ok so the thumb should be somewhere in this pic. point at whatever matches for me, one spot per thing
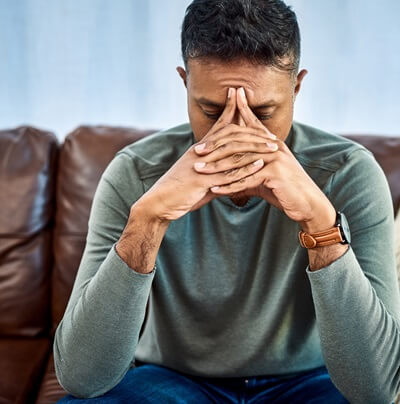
(206, 199)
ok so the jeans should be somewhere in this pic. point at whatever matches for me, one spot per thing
(153, 384)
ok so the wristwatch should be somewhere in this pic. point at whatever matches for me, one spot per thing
(340, 233)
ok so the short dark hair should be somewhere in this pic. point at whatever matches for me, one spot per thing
(261, 31)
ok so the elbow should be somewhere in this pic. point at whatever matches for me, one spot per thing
(82, 380)
(80, 387)
(369, 393)
(73, 380)
(74, 387)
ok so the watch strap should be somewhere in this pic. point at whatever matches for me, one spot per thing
(322, 238)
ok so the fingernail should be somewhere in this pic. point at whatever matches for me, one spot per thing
(214, 189)
(272, 136)
(199, 165)
(230, 93)
(272, 146)
(242, 93)
(259, 162)
(200, 147)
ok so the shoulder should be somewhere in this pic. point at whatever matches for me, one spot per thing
(316, 148)
(136, 167)
(156, 153)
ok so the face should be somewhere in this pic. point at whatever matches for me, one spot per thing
(270, 93)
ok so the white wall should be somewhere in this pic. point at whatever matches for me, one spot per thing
(66, 63)
(352, 51)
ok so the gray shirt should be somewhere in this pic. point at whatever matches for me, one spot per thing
(232, 294)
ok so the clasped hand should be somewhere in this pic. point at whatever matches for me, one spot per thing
(242, 161)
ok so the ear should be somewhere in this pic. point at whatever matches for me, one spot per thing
(299, 80)
(181, 71)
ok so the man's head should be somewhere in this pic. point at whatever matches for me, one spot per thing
(253, 44)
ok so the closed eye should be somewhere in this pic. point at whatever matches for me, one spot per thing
(214, 117)
(211, 116)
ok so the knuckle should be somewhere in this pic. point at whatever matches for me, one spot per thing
(231, 173)
(262, 132)
(222, 120)
(212, 144)
(237, 157)
(246, 169)
(214, 165)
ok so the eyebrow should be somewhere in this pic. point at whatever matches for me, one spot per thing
(210, 103)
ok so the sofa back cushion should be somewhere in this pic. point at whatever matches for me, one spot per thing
(397, 243)
(28, 160)
(85, 154)
(387, 153)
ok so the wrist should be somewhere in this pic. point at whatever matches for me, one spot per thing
(148, 210)
(322, 220)
(140, 241)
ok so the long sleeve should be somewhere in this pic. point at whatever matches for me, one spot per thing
(356, 298)
(96, 340)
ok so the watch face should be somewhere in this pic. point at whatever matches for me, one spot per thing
(345, 229)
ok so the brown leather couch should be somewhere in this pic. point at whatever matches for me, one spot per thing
(46, 191)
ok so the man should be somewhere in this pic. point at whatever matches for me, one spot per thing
(201, 222)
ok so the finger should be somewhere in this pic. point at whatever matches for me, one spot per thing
(229, 111)
(251, 181)
(242, 123)
(235, 175)
(234, 147)
(237, 160)
(245, 111)
(225, 118)
(247, 114)
(242, 137)
(227, 133)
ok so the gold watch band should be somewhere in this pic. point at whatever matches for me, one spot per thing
(320, 239)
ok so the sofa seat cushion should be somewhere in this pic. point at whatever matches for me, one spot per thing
(22, 362)
(50, 390)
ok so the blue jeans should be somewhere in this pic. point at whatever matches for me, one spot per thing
(155, 384)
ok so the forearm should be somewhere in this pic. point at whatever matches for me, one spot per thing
(96, 340)
(321, 257)
(141, 239)
(360, 340)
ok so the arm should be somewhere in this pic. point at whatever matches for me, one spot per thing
(141, 238)
(356, 296)
(96, 340)
(355, 289)
(321, 257)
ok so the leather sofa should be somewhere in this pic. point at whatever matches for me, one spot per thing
(46, 191)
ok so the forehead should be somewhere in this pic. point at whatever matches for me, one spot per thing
(211, 78)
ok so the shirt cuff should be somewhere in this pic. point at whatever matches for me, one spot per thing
(124, 264)
(334, 270)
